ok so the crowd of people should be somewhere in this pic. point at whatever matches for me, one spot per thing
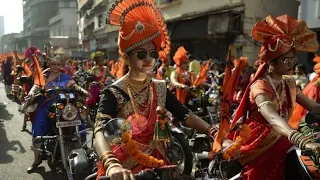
(273, 96)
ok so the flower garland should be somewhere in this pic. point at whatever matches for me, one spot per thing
(133, 150)
(244, 135)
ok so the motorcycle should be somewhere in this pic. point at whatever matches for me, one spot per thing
(177, 150)
(152, 174)
(64, 142)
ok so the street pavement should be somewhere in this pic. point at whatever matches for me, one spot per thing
(15, 153)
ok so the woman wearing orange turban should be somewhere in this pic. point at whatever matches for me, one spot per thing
(268, 100)
(181, 78)
(136, 96)
(312, 91)
(165, 69)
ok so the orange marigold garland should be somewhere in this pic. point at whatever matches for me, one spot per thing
(133, 150)
(244, 135)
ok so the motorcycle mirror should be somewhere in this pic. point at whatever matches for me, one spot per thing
(114, 128)
(237, 125)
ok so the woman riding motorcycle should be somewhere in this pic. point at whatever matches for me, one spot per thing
(53, 79)
(100, 73)
(29, 52)
(136, 96)
(269, 99)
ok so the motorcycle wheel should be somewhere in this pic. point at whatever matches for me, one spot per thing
(184, 160)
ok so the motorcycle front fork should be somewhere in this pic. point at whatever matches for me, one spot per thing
(63, 147)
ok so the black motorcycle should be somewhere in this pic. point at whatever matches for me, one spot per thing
(166, 172)
(64, 144)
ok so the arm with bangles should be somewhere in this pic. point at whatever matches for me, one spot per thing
(268, 111)
(107, 111)
(182, 113)
(307, 103)
(174, 81)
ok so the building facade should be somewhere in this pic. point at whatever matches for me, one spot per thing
(309, 11)
(7, 42)
(36, 16)
(63, 28)
(204, 27)
(1, 26)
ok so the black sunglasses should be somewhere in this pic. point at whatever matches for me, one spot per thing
(142, 54)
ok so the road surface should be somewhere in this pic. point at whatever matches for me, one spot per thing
(15, 153)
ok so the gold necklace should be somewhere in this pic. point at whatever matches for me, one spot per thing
(135, 96)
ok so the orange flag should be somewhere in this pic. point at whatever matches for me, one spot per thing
(203, 75)
(229, 87)
(26, 68)
(38, 75)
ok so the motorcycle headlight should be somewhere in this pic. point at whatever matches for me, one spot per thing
(200, 110)
(69, 112)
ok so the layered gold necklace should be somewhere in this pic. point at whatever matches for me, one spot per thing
(141, 97)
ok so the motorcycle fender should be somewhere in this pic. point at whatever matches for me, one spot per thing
(178, 131)
(78, 161)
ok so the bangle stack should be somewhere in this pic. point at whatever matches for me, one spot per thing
(212, 132)
(298, 139)
(109, 161)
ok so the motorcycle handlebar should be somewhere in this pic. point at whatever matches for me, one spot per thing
(142, 175)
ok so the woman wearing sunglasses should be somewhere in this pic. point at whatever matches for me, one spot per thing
(136, 95)
(53, 79)
(269, 99)
(181, 78)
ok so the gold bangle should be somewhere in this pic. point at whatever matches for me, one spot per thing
(112, 166)
(291, 134)
(106, 153)
(110, 161)
(292, 138)
(108, 157)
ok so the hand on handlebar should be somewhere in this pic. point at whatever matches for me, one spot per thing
(185, 87)
(313, 146)
(119, 173)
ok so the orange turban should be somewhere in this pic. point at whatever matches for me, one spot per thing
(162, 56)
(180, 56)
(244, 62)
(141, 22)
(316, 67)
(281, 34)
